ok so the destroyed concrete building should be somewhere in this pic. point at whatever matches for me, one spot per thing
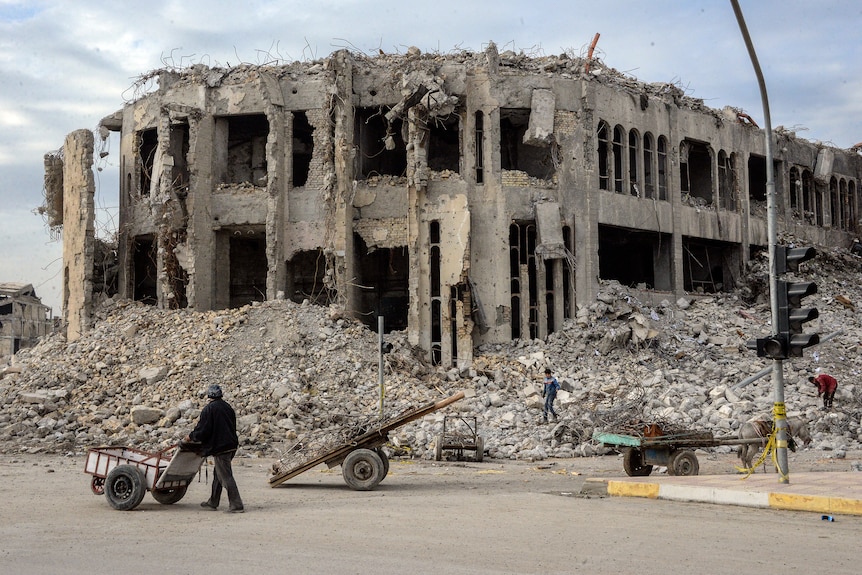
(468, 198)
(23, 318)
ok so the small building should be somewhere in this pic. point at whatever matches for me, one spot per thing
(23, 318)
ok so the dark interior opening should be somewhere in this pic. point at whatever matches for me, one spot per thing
(480, 144)
(306, 272)
(145, 274)
(248, 267)
(179, 153)
(381, 146)
(535, 160)
(757, 178)
(303, 148)
(709, 267)
(635, 259)
(148, 141)
(522, 267)
(246, 143)
(383, 275)
(695, 170)
(444, 144)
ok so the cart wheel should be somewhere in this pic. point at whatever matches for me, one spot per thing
(362, 469)
(98, 485)
(125, 487)
(633, 463)
(438, 449)
(683, 462)
(480, 448)
(169, 496)
(379, 451)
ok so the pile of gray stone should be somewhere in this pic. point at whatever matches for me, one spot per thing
(293, 371)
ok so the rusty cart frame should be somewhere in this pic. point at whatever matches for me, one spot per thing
(363, 463)
(463, 438)
(675, 451)
(125, 474)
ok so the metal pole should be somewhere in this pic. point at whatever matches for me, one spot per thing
(380, 360)
(779, 412)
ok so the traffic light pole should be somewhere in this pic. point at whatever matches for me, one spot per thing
(779, 413)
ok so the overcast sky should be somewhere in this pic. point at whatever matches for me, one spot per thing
(65, 65)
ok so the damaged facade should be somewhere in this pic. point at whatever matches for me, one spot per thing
(468, 198)
(23, 318)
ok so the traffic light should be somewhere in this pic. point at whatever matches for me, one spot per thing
(791, 314)
(788, 339)
(774, 346)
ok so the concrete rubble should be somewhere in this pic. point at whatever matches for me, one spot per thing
(294, 369)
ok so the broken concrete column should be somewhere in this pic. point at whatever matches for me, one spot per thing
(78, 232)
(541, 128)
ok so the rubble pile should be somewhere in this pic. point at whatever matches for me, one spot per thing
(298, 370)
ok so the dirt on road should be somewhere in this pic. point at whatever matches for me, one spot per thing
(426, 517)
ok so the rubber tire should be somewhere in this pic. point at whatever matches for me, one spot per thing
(362, 469)
(169, 496)
(480, 448)
(438, 449)
(125, 487)
(633, 463)
(383, 457)
(97, 485)
(684, 463)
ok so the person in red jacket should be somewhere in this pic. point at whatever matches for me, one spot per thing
(826, 386)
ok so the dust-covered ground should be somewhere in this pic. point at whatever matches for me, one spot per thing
(496, 516)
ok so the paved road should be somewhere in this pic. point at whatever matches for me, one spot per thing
(426, 517)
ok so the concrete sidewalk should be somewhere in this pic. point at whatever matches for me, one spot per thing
(830, 493)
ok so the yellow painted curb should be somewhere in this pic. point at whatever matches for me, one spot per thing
(817, 504)
(628, 489)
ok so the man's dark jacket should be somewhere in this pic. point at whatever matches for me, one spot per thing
(216, 429)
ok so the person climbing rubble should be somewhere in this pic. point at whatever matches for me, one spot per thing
(550, 385)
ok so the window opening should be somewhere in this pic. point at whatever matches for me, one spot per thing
(246, 149)
(634, 155)
(636, 259)
(649, 185)
(618, 159)
(794, 191)
(522, 246)
(444, 144)
(383, 277)
(480, 143)
(708, 266)
(533, 159)
(306, 278)
(726, 180)
(695, 170)
(834, 204)
(662, 168)
(147, 144)
(248, 268)
(303, 148)
(757, 178)
(603, 150)
(382, 151)
(568, 273)
(145, 271)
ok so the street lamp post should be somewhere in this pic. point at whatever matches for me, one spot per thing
(779, 412)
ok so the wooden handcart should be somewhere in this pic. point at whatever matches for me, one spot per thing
(363, 463)
(675, 451)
